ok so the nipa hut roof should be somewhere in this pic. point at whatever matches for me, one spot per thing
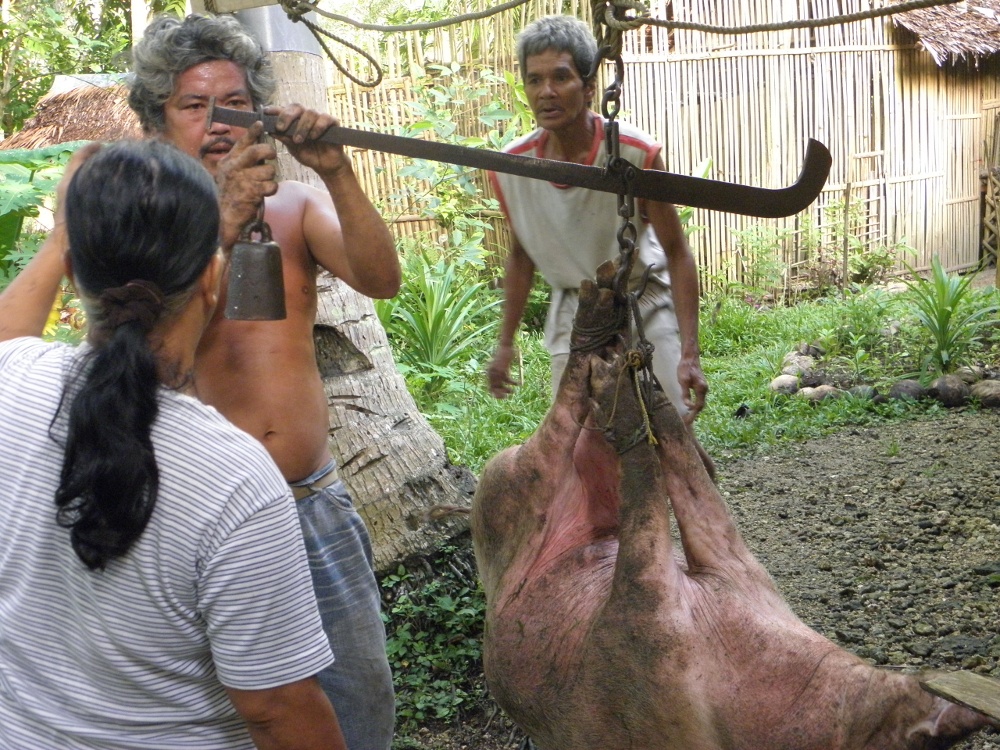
(85, 113)
(964, 30)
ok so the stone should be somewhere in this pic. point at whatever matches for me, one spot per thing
(786, 384)
(970, 375)
(949, 390)
(907, 389)
(797, 364)
(987, 392)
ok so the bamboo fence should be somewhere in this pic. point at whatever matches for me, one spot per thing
(907, 137)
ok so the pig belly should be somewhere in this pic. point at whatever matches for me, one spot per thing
(578, 671)
(538, 625)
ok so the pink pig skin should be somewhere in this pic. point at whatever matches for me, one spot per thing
(600, 635)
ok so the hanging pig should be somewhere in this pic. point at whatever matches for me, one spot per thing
(599, 636)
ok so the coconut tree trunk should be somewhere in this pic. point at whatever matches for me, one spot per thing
(392, 461)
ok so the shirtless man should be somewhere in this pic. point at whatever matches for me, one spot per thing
(263, 376)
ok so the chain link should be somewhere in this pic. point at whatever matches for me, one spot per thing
(640, 349)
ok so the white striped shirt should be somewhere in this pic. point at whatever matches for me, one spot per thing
(215, 591)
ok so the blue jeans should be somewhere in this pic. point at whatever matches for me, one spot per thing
(359, 682)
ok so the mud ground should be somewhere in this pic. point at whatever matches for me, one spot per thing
(884, 539)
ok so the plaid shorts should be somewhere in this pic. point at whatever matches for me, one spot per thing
(359, 682)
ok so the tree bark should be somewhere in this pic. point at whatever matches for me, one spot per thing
(391, 460)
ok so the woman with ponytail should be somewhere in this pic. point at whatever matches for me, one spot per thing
(154, 590)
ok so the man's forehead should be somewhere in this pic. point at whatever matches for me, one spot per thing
(553, 59)
(223, 77)
(180, 92)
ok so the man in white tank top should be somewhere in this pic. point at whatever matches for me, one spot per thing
(567, 232)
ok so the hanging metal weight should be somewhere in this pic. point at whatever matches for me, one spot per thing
(256, 289)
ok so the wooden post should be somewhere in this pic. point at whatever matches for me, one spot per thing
(140, 19)
(226, 6)
(847, 230)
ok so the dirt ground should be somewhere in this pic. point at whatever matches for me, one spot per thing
(884, 539)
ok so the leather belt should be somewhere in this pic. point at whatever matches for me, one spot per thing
(302, 491)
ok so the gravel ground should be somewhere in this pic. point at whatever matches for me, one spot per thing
(884, 539)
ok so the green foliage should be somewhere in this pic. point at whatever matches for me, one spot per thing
(742, 350)
(441, 312)
(872, 265)
(28, 180)
(524, 118)
(476, 426)
(686, 213)
(756, 270)
(43, 38)
(863, 314)
(448, 193)
(867, 262)
(433, 635)
(952, 314)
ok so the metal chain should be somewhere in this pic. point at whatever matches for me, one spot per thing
(639, 359)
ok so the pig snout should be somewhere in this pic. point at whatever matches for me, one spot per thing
(603, 632)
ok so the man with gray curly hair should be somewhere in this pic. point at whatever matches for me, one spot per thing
(263, 376)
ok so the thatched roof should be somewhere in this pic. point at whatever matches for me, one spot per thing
(965, 30)
(85, 113)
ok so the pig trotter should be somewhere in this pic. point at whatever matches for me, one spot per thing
(620, 404)
(600, 317)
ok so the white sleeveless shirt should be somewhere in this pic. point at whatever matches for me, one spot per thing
(569, 231)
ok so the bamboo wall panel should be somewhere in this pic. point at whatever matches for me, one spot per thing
(907, 137)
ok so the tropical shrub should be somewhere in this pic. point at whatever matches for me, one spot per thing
(441, 314)
(434, 629)
(952, 313)
(28, 180)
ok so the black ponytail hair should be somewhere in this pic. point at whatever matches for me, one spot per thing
(143, 221)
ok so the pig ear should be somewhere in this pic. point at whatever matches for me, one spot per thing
(948, 720)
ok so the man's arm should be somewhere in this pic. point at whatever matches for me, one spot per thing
(296, 716)
(684, 289)
(348, 238)
(27, 301)
(519, 277)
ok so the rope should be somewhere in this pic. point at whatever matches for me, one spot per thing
(296, 10)
(634, 360)
(423, 26)
(612, 13)
(809, 23)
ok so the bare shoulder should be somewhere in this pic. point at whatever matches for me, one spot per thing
(295, 193)
(310, 207)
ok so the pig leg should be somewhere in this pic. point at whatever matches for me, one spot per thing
(708, 533)
(555, 477)
(645, 551)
